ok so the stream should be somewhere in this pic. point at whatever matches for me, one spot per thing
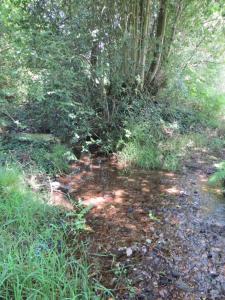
(153, 234)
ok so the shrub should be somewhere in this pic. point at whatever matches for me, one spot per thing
(153, 143)
(37, 153)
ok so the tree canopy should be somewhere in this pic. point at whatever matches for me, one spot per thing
(77, 61)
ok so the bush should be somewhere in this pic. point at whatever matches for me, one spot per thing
(37, 153)
(156, 139)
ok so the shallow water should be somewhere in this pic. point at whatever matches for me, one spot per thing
(166, 230)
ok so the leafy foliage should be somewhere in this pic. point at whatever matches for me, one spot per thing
(160, 134)
(116, 75)
(76, 76)
(39, 155)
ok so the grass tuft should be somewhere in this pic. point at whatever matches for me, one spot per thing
(219, 176)
(150, 150)
(36, 259)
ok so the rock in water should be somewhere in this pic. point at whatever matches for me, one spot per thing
(129, 252)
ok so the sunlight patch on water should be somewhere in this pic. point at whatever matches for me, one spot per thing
(173, 191)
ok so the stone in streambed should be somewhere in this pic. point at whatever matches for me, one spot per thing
(57, 186)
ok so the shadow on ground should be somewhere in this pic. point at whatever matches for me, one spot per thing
(153, 235)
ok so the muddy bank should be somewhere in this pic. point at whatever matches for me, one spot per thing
(153, 235)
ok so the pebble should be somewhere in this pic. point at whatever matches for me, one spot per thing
(129, 252)
(175, 274)
(183, 194)
(148, 241)
(144, 250)
(163, 280)
(214, 274)
(183, 286)
(55, 185)
(209, 255)
(130, 210)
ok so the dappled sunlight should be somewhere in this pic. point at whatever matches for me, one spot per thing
(121, 200)
(96, 201)
(113, 111)
(104, 184)
(207, 187)
(145, 189)
(214, 190)
(173, 191)
(88, 198)
(58, 198)
(200, 161)
(202, 178)
(129, 207)
(204, 150)
(172, 175)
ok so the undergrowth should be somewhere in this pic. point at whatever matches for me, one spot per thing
(219, 176)
(43, 156)
(164, 134)
(37, 261)
(159, 153)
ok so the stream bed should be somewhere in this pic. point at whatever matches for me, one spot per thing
(153, 235)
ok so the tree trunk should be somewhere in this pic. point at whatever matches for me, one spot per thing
(145, 31)
(160, 36)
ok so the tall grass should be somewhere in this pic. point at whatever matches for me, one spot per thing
(36, 259)
(164, 132)
(158, 148)
(218, 178)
